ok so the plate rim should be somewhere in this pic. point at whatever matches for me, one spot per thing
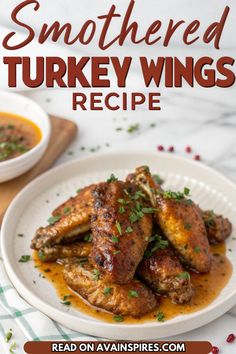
(228, 302)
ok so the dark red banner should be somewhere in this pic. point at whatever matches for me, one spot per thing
(118, 347)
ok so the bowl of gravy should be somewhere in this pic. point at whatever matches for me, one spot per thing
(24, 134)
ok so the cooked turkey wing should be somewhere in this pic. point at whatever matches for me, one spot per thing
(68, 228)
(133, 298)
(74, 219)
(77, 249)
(180, 220)
(164, 274)
(121, 225)
(218, 227)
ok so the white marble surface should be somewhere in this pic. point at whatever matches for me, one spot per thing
(205, 119)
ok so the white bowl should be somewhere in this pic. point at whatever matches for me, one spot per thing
(22, 106)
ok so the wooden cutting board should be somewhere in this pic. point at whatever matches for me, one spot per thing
(63, 133)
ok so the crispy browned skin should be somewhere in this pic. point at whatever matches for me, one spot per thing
(218, 227)
(117, 249)
(68, 228)
(133, 299)
(165, 275)
(82, 201)
(180, 221)
(77, 249)
(74, 220)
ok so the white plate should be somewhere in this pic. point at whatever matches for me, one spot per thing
(29, 211)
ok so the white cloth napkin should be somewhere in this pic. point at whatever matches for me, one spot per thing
(26, 322)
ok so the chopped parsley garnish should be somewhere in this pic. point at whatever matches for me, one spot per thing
(8, 336)
(116, 252)
(176, 195)
(160, 316)
(139, 212)
(107, 291)
(53, 219)
(88, 238)
(133, 217)
(128, 229)
(138, 195)
(146, 168)
(20, 235)
(123, 201)
(115, 239)
(47, 270)
(210, 219)
(133, 293)
(66, 303)
(66, 297)
(133, 128)
(112, 178)
(41, 255)
(210, 223)
(12, 348)
(82, 261)
(186, 191)
(148, 210)
(197, 249)
(157, 243)
(118, 226)
(96, 274)
(24, 259)
(78, 190)
(121, 210)
(184, 275)
(66, 210)
(118, 318)
(189, 201)
(158, 179)
(8, 148)
(187, 226)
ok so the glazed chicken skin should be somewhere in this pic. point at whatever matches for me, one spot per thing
(73, 220)
(59, 252)
(218, 227)
(180, 220)
(164, 274)
(121, 225)
(133, 298)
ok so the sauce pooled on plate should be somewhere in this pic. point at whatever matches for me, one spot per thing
(207, 287)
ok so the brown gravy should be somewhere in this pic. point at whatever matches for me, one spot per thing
(207, 288)
(17, 135)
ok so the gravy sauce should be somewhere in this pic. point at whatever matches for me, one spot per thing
(207, 288)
